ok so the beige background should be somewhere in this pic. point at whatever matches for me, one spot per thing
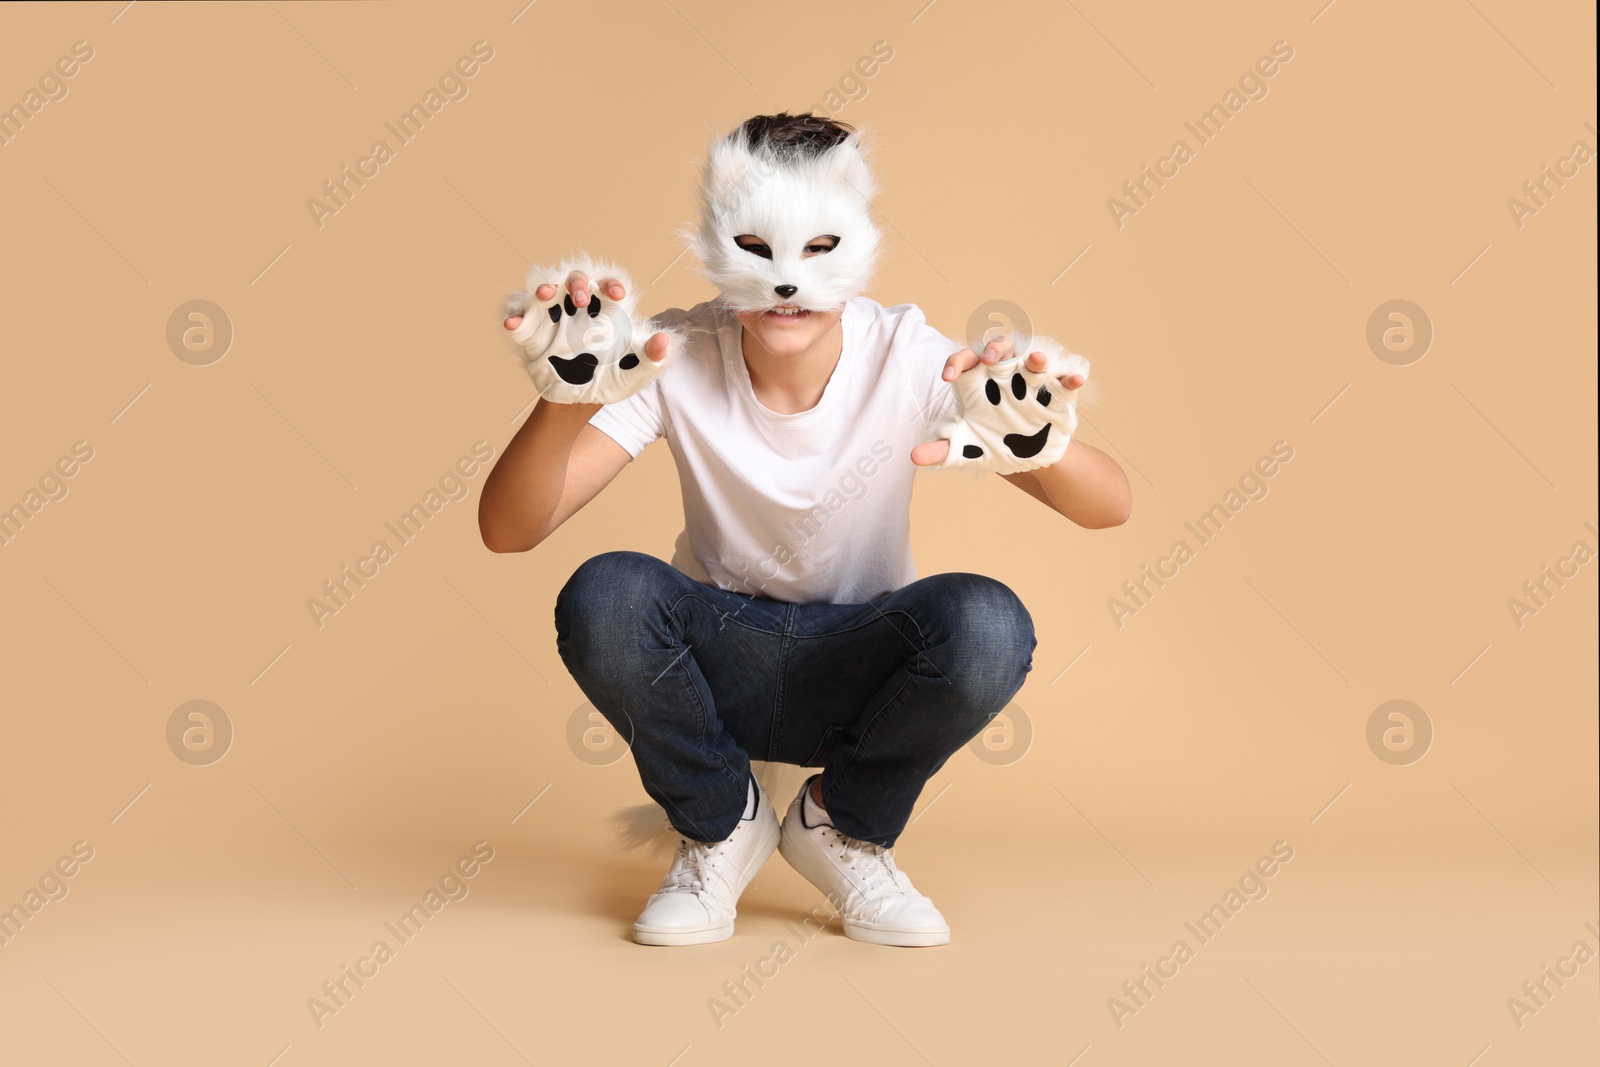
(1230, 713)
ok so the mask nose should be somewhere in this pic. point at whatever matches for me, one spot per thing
(786, 291)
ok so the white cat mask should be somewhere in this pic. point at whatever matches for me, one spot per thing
(786, 200)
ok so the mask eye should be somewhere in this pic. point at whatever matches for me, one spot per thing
(754, 245)
(822, 245)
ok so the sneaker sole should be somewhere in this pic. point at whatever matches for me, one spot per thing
(706, 935)
(878, 935)
(804, 860)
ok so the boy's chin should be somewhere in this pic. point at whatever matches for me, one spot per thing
(788, 334)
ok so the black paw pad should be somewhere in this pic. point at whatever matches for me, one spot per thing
(1019, 388)
(991, 389)
(1043, 396)
(555, 313)
(628, 362)
(972, 451)
(578, 370)
(566, 302)
(1027, 445)
(594, 307)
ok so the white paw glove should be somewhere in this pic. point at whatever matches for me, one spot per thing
(1013, 419)
(585, 355)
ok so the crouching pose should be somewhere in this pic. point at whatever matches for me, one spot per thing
(790, 625)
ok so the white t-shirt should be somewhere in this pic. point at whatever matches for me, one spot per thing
(810, 507)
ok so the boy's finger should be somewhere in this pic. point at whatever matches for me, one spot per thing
(998, 348)
(930, 452)
(545, 291)
(961, 361)
(1037, 362)
(655, 349)
(514, 321)
(1074, 381)
(578, 288)
(613, 288)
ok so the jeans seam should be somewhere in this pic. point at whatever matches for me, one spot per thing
(866, 730)
(882, 614)
(832, 730)
(922, 638)
(889, 704)
(725, 617)
(785, 643)
(695, 693)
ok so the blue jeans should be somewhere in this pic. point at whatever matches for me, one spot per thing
(700, 680)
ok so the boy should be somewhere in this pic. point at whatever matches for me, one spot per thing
(790, 625)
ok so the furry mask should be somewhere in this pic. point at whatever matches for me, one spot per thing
(786, 200)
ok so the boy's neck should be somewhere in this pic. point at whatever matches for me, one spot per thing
(792, 382)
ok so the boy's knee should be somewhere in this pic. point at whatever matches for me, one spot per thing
(984, 611)
(604, 592)
(989, 635)
(600, 580)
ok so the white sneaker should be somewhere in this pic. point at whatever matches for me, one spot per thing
(875, 898)
(696, 902)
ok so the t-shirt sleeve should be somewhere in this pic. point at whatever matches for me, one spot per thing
(924, 351)
(632, 422)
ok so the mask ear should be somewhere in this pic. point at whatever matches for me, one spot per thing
(729, 176)
(845, 173)
(850, 164)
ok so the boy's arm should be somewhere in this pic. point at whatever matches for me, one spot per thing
(556, 463)
(1084, 485)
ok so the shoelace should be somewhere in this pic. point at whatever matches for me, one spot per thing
(695, 868)
(874, 865)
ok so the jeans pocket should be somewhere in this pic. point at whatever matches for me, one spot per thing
(825, 747)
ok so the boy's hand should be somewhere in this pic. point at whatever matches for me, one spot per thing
(1015, 414)
(577, 285)
(582, 348)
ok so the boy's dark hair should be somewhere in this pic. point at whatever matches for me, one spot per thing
(788, 136)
